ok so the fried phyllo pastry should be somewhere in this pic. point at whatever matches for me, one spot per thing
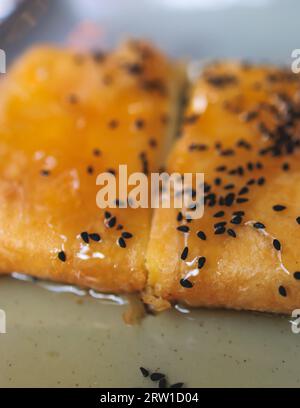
(242, 130)
(65, 118)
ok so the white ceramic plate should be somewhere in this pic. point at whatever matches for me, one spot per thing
(62, 339)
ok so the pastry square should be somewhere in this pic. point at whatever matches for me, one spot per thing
(242, 130)
(64, 118)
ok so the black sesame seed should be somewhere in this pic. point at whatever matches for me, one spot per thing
(156, 376)
(240, 200)
(221, 80)
(259, 225)
(229, 187)
(201, 262)
(298, 220)
(244, 190)
(282, 291)
(107, 214)
(201, 235)
(219, 214)
(154, 85)
(227, 152)
(113, 123)
(228, 200)
(90, 169)
(144, 372)
(197, 147)
(45, 172)
(152, 143)
(220, 231)
(248, 116)
(186, 283)
(220, 224)
(177, 385)
(244, 144)
(241, 213)
(279, 207)
(126, 235)
(98, 56)
(285, 166)
(144, 160)
(111, 171)
(96, 152)
(231, 232)
(184, 253)
(95, 237)
(112, 222)
(276, 244)
(139, 123)
(221, 168)
(134, 68)
(297, 275)
(62, 256)
(261, 181)
(236, 219)
(240, 171)
(121, 242)
(85, 237)
(183, 228)
(207, 188)
(221, 201)
(250, 182)
(210, 199)
(250, 166)
(179, 216)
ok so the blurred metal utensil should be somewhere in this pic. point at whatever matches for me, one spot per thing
(17, 19)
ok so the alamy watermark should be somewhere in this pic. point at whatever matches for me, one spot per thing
(295, 322)
(156, 190)
(2, 62)
(295, 66)
(2, 322)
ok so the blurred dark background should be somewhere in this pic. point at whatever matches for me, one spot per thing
(255, 29)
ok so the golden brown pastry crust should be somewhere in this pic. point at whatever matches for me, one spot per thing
(65, 118)
(242, 129)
